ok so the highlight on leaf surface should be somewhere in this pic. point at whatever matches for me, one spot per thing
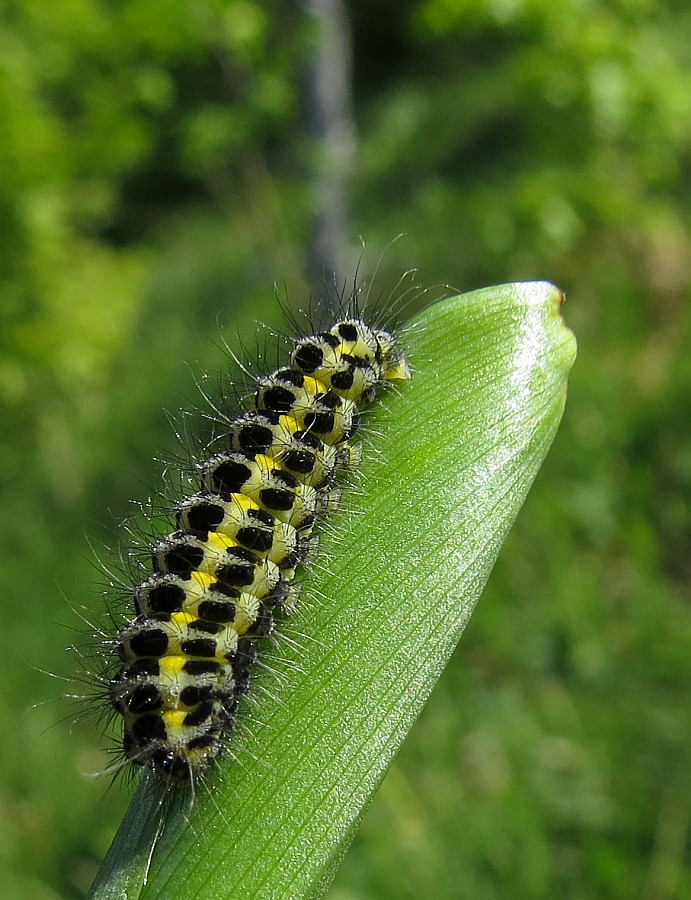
(449, 460)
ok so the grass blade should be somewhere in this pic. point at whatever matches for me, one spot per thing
(452, 458)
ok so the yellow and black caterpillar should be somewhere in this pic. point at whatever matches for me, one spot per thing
(183, 662)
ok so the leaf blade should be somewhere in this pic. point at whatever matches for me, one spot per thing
(454, 457)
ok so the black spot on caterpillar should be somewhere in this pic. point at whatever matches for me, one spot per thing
(226, 573)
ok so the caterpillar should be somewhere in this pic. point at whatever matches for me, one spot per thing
(230, 567)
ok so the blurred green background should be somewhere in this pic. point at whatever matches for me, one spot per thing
(161, 168)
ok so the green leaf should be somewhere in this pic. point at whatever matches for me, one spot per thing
(449, 460)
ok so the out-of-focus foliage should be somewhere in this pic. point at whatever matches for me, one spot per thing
(154, 162)
(113, 115)
(559, 132)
